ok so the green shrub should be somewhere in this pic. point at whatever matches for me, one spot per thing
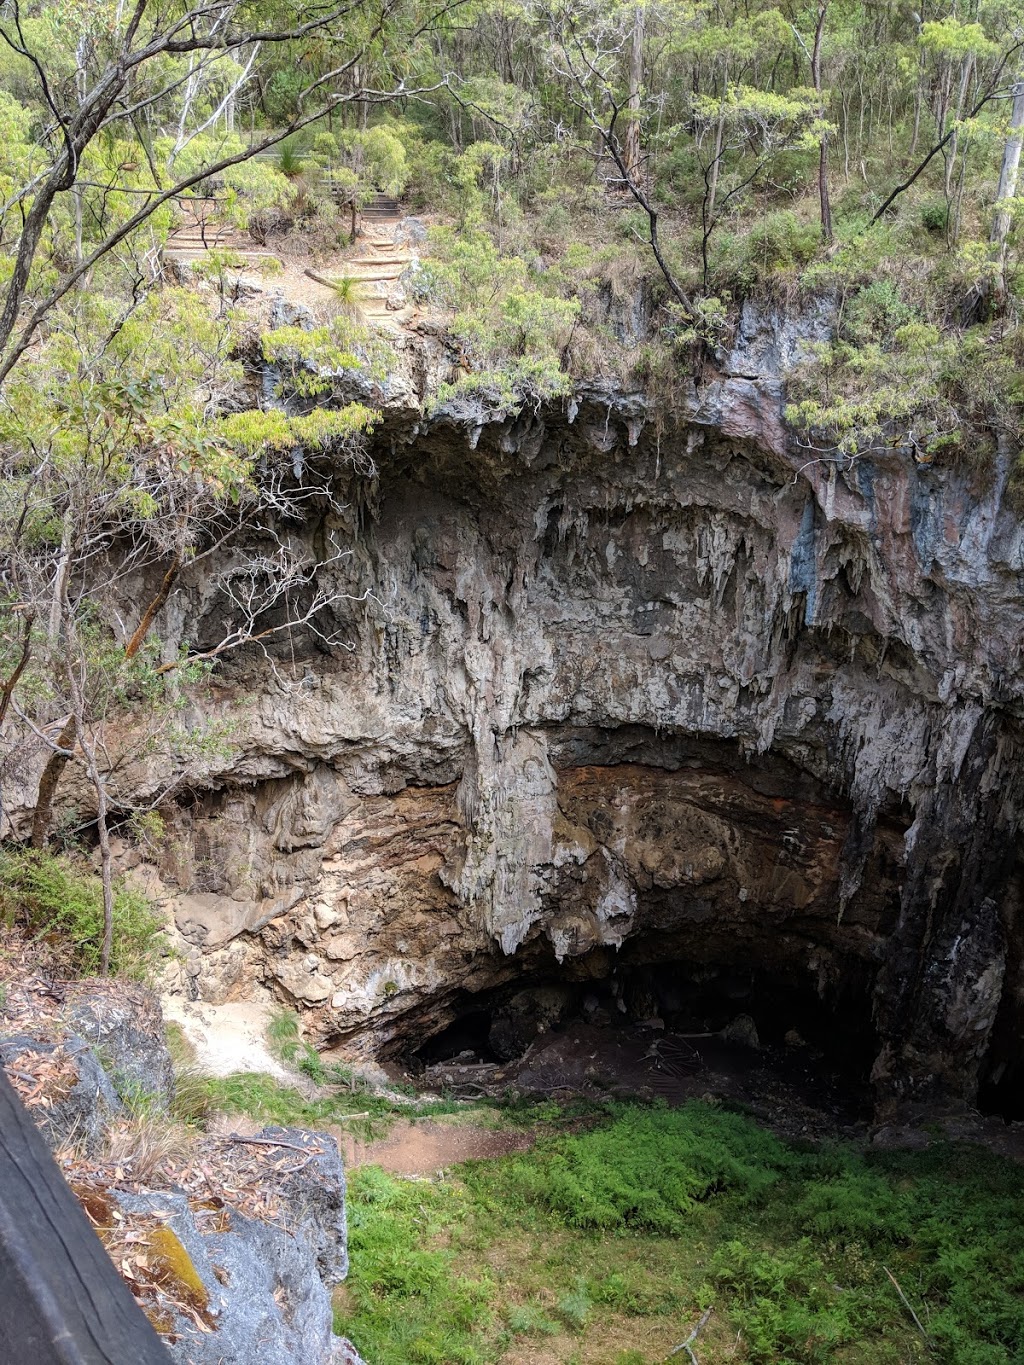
(575, 1306)
(792, 1247)
(50, 895)
(649, 1169)
(284, 1036)
(875, 313)
(526, 1319)
(779, 242)
(935, 215)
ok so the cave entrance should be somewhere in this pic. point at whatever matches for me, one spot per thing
(469, 1032)
(671, 1028)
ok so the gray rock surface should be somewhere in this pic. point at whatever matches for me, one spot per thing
(624, 678)
(123, 1023)
(266, 1285)
(80, 1100)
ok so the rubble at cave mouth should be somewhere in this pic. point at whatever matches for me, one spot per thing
(665, 1029)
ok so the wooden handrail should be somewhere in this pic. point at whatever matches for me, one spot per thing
(63, 1302)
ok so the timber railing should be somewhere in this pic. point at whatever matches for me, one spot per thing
(61, 1300)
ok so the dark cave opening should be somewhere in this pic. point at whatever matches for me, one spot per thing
(468, 1032)
(744, 1028)
(1001, 1093)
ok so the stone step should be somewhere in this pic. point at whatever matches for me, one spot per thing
(391, 273)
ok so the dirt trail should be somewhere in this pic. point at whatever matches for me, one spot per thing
(376, 262)
(426, 1146)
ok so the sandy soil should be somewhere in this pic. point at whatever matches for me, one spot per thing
(426, 1146)
(226, 1038)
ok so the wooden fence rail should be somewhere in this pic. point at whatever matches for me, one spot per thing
(61, 1300)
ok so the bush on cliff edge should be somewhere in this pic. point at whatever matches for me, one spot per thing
(50, 896)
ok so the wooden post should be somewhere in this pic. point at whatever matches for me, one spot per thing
(63, 1301)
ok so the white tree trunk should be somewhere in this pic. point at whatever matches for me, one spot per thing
(1008, 173)
(631, 147)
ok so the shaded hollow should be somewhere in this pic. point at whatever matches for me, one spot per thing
(667, 696)
(774, 1038)
(686, 890)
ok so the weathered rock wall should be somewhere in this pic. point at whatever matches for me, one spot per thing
(609, 676)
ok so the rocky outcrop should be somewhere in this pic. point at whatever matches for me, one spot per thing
(124, 1025)
(625, 679)
(231, 1245)
(237, 1288)
(68, 1093)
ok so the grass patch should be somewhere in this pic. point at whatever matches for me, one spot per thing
(605, 1244)
(53, 898)
(269, 1101)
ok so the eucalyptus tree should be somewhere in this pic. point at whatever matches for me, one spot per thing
(118, 459)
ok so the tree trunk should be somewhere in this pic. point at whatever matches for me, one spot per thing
(55, 765)
(149, 615)
(712, 184)
(823, 198)
(1008, 173)
(631, 150)
(99, 786)
(954, 141)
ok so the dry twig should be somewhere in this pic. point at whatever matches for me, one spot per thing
(266, 1142)
(687, 1345)
(905, 1301)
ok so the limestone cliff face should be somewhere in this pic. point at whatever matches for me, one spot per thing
(623, 685)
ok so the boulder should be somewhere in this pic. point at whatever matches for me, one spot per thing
(64, 1088)
(254, 1290)
(123, 1022)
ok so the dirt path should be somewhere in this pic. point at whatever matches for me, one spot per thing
(377, 260)
(426, 1146)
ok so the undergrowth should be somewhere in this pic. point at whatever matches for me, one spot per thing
(51, 897)
(606, 1243)
(365, 1114)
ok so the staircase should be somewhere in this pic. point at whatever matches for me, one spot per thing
(381, 206)
(198, 232)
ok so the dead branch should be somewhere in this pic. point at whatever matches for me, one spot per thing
(905, 1301)
(268, 1142)
(687, 1345)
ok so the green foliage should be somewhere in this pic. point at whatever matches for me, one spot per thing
(49, 895)
(777, 245)
(386, 164)
(935, 215)
(284, 1035)
(513, 334)
(530, 1319)
(682, 1209)
(290, 160)
(896, 377)
(341, 1093)
(309, 358)
(575, 1305)
(650, 1169)
(260, 430)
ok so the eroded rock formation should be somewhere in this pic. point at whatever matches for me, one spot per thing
(628, 684)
